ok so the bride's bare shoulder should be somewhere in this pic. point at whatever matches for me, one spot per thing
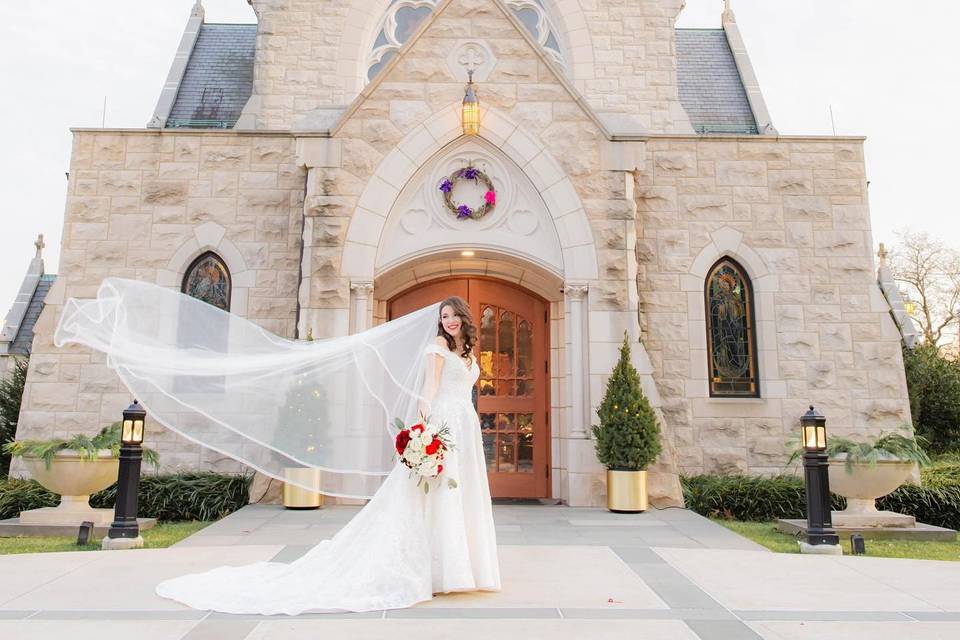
(441, 342)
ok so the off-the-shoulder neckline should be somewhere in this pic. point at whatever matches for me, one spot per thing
(458, 357)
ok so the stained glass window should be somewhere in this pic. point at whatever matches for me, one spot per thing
(208, 279)
(731, 340)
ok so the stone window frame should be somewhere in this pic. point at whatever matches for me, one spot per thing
(385, 41)
(728, 242)
(207, 237)
(751, 329)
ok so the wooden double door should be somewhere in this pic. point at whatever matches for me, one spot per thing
(512, 393)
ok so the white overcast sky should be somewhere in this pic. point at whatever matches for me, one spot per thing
(889, 69)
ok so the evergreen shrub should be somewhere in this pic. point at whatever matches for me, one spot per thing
(628, 436)
(169, 498)
(761, 499)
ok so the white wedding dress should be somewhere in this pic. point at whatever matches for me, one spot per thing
(402, 547)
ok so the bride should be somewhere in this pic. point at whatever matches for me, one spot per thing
(405, 544)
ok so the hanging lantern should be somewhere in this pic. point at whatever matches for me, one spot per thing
(471, 109)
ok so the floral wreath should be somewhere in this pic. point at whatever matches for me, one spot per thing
(464, 211)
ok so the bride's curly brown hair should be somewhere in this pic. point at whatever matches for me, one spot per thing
(467, 328)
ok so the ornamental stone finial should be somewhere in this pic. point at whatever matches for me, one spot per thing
(39, 244)
(882, 254)
(198, 10)
(728, 12)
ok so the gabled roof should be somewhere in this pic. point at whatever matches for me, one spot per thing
(22, 344)
(218, 79)
(221, 66)
(508, 15)
(710, 86)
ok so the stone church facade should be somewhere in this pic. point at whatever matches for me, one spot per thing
(641, 188)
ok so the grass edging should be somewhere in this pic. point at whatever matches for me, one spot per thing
(766, 534)
(159, 537)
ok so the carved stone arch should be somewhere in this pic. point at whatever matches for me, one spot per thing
(423, 143)
(210, 237)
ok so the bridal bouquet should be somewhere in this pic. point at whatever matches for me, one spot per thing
(422, 448)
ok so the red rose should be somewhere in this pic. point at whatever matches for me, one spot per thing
(433, 446)
(402, 439)
(439, 468)
(418, 427)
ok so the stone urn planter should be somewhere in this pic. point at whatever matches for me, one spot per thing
(74, 479)
(861, 484)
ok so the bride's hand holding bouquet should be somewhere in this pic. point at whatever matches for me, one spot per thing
(422, 448)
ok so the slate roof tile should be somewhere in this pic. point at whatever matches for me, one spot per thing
(219, 77)
(709, 83)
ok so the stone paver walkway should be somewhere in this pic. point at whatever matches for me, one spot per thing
(567, 573)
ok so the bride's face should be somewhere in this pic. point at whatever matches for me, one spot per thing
(450, 320)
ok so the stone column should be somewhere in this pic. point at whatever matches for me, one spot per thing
(360, 292)
(576, 313)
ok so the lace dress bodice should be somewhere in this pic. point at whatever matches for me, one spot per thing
(456, 379)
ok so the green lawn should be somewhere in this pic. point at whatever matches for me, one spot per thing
(161, 536)
(765, 533)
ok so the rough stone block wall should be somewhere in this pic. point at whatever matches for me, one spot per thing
(794, 212)
(635, 61)
(137, 201)
(312, 54)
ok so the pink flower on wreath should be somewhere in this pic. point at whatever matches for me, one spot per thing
(490, 197)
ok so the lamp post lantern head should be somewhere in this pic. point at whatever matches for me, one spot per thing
(813, 428)
(133, 418)
(470, 113)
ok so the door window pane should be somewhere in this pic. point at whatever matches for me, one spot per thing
(488, 431)
(505, 344)
(524, 349)
(525, 443)
(506, 453)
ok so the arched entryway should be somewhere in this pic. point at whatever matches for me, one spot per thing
(512, 393)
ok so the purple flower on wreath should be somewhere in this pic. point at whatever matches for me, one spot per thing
(446, 186)
(470, 173)
(463, 211)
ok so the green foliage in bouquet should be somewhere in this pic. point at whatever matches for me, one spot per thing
(88, 447)
(628, 436)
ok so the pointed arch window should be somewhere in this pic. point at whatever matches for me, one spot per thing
(731, 334)
(208, 279)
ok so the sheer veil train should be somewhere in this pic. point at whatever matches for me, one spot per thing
(231, 386)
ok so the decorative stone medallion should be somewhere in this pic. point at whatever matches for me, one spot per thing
(471, 55)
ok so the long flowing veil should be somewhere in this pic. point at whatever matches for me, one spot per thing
(272, 403)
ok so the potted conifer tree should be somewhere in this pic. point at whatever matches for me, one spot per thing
(628, 437)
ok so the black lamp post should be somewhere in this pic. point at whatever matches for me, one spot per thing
(125, 530)
(816, 479)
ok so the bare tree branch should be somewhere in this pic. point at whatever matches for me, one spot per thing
(928, 273)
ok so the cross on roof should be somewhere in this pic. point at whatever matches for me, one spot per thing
(39, 245)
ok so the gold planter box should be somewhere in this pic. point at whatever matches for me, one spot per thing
(626, 491)
(294, 495)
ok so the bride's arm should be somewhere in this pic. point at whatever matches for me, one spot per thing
(433, 365)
